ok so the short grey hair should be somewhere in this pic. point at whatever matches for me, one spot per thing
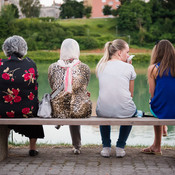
(15, 45)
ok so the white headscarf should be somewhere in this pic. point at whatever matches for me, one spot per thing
(69, 50)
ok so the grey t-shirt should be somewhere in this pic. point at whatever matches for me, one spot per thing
(114, 96)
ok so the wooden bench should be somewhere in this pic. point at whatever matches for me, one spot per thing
(87, 121)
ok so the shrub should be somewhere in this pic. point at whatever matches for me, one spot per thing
(87, 42)
(100, 25)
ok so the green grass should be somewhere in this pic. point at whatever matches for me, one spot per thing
(140, 60)
(100, 26)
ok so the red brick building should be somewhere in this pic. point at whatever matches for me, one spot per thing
(98, 5)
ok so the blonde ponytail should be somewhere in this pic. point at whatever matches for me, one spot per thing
(110, 48)
(101, 64)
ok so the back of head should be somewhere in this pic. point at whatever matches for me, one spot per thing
(15, 45)
(69, 49)
(164, 53)
(110, 48)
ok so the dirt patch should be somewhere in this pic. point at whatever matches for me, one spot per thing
(101, 51)
(132, 50)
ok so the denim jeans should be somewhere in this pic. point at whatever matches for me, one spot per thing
(105, 132)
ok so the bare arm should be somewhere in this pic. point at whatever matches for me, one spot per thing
(151, 79)
(131, 87)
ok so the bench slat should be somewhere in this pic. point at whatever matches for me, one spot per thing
(88, 121)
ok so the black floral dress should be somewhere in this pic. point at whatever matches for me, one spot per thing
(19, 93)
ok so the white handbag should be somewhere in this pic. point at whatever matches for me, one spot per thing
(45, 109)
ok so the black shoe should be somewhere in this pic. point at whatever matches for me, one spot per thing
(33, 153)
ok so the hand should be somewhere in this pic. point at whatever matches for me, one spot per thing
(130, 62)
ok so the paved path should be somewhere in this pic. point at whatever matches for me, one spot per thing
(60, 160)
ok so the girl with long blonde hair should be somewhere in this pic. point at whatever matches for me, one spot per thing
(116, 87)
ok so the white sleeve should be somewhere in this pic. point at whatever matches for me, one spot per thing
(133, 73)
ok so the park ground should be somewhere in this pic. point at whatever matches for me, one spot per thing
(59, 160)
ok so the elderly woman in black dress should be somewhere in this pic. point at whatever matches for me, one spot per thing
(19, 89)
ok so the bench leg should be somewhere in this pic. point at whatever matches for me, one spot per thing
(3, 142)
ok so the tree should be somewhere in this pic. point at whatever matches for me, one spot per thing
(163, 19)
(88, 11)
(125, 1)
(7, 21)
(114, 12)
(107, 10)
(71, 9)
(16, 11)
(135, 18)
(8, 13)
(169, 4)
(30, 8)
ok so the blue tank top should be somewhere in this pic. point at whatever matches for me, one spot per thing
(163, 102)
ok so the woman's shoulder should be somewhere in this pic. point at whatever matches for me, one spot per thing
(152, 67)
(152, 70)
(53, 65)
(28, 59)
(84, 66)
(128, 66)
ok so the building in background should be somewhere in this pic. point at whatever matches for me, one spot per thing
(1, 4)
(98, 5)
(50, 11)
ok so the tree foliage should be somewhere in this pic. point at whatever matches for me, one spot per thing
(8, 14)
(107, 10)
(147, 22)
(30, 8)
(16, 11)
(71, 9)
(88, 11)
(124, 1)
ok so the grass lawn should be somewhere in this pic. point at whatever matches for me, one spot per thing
(104, 26)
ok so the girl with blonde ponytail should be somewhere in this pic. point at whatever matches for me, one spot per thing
(110, 48)
(116, 87)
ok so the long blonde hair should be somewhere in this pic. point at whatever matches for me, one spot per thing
(110, 48)
(164, 53)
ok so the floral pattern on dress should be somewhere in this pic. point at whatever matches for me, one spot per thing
(1, 63)
(27, 111)
(11, 114)
(29, 75)
(8, 74)
(19, 88)
(12, 96)
(31, 96)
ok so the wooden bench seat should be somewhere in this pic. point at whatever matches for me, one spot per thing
(87, 121)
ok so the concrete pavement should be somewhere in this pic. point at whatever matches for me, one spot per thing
(59, 160)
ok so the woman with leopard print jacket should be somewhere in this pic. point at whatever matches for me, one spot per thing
(73, 100)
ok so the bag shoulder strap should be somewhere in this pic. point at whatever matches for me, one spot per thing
(57, 91)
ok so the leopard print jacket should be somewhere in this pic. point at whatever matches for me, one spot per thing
(70, 105)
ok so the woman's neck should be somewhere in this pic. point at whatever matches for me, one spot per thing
(115, 57)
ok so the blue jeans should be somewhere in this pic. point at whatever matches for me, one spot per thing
(105, 132)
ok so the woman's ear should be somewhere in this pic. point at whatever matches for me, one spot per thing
(119, 52)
